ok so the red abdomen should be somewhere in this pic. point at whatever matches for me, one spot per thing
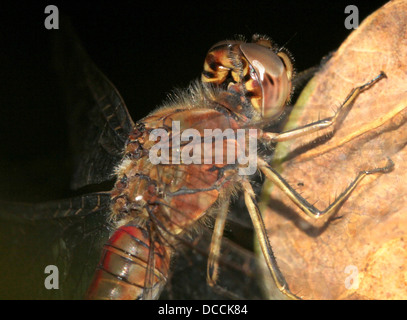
(123, 272)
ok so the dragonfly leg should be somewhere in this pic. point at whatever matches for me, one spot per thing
(324, 123)
(214, 250)
(262, 237)
(303, 204)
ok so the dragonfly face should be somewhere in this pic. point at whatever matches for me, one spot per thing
(258, 70)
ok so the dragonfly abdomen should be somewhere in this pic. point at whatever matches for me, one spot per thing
(123, 269)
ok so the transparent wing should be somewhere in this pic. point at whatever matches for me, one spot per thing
(99, 119)
(68, 234)
(238, 273)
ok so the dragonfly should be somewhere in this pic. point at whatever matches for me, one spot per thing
(134, 229)
(70, 233)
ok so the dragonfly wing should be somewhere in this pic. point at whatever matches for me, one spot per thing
(67, 234)
(100, 122)
(238, 270)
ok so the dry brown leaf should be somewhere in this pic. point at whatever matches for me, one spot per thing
(362, 254)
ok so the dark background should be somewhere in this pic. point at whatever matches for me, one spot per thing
(146, 50)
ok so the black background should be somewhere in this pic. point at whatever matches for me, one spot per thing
(146, 50)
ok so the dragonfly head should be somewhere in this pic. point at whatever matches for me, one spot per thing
(257, 71)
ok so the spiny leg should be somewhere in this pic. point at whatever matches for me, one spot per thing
(324, 123)
(303, 204)
(265, 246)
(214, 250)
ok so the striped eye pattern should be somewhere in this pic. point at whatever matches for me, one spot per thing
(262, 73)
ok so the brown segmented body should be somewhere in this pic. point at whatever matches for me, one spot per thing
(163, 199)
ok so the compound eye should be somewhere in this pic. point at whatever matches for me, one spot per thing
(272, 76)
